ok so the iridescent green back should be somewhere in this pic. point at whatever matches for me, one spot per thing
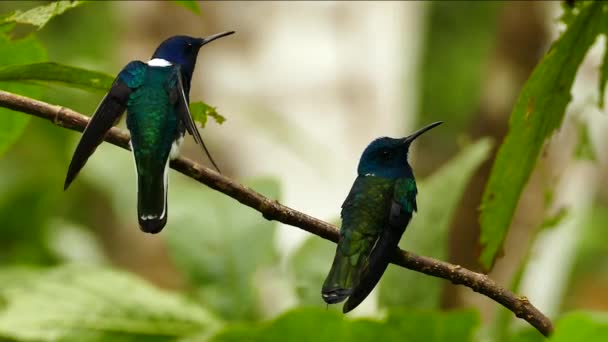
(152, 118)
(364, 215)
(154, 124)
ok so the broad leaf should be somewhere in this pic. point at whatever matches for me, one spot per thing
(427, 234)
(57, 73)
(84, 79)
(220, 244)
(190, 5)
(537, 114)
(83, 304)
(413, 325)
(322, 325)
(25, 50)
(41, 15)
(581, 326)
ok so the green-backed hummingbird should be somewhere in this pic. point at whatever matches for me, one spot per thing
(375, 214)
(156, 96)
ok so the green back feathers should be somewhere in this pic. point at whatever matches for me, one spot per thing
(152, 118)
(364, 215)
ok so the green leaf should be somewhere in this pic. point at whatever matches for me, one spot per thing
(190, 4)
(57, 73)
(12, 52)
(41, 15)
(538, 112)
(584, 147)
(200, 111)
(603, 77)
(581, 326)
(84, 79)
(428, 231)
(220, 244)
(321, 325)
(84, 304)
(434, 325)
(526, 335)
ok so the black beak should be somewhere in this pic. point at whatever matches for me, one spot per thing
(408, 140)
(203, 41)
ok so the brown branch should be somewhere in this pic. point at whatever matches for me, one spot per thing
(273, 210)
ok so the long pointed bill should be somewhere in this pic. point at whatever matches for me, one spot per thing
(206, 40)
(413, 136)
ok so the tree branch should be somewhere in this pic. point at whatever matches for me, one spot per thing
(273, 210)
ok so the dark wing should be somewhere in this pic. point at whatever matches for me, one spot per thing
(183, 110)
(363, 220)
(108, 112)
(400, 213)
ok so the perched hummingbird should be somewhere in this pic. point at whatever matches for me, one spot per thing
(156, 96)
(374, 216)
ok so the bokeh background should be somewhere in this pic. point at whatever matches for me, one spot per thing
(305, 86)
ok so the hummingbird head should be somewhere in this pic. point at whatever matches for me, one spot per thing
(387, 157)
(183, 50)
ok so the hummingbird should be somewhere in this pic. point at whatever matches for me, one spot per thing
(374, 215)
(156, 97)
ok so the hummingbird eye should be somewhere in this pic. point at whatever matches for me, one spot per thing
(386, 154)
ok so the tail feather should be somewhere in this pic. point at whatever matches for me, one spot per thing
(370, 278)
(339, 282)
(376, 265)
(152, 201)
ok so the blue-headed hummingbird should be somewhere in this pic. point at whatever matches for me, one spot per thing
(156, 96)
(374, 215)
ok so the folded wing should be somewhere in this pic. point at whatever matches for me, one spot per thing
(106, 115)
(183, 110)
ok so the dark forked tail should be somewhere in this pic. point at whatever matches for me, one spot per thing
(152, 201)
(339, 282)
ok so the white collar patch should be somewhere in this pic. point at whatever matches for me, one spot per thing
(158, 62)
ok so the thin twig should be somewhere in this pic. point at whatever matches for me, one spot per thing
(273, 210)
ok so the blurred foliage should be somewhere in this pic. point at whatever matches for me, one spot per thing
(584, 148)
(83, 304)
(23, 50)
(40, 16)
(56, 73)
(321, 325)
(221, 250)
(537, 114)
(603, 78)
(190, 5)
(459, 39)
(236, 242)
(309, 267)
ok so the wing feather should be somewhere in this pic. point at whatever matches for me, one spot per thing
(109, 111)
(184, 112)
